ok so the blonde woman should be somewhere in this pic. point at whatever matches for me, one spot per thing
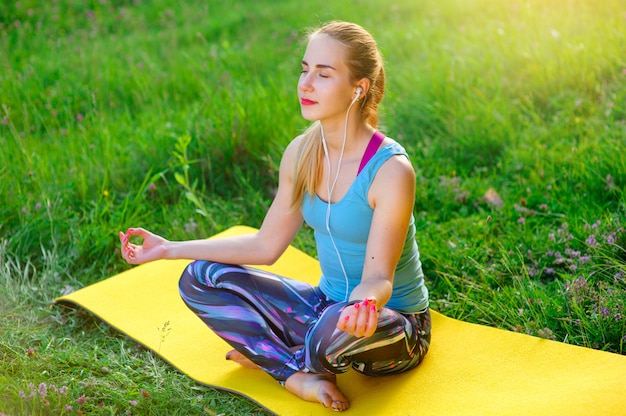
(355, 187)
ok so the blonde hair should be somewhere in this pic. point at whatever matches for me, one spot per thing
(363, 61)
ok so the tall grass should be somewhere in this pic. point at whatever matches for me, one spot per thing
(173, 116)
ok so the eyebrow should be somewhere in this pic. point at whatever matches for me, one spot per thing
(319, 65)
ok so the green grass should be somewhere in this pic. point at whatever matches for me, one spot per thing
(173, 116)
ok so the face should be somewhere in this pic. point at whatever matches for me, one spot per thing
(324, 88)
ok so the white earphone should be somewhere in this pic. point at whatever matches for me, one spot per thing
(359, 90)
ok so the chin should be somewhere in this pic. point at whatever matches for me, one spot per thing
(307, 115)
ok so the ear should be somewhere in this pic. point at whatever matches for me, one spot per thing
(364, 84)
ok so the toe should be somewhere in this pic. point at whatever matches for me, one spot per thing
(339, 406)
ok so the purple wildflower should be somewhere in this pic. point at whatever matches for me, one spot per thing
(521, 220)
(591, 240)
(43, 390)
(133, 403)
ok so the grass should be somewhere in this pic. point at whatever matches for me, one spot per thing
(173, 116)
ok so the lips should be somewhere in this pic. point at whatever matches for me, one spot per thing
(306, 101)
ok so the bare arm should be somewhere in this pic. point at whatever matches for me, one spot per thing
(392, 195)
(263, 247)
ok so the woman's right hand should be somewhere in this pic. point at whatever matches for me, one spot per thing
(153, 247)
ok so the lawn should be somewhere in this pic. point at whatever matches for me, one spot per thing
(173, 116)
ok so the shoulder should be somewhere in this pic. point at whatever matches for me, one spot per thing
(292, 151)
(396, 175)
(397, 168)
(397, 165)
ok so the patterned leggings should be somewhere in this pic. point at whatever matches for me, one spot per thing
(285, 325)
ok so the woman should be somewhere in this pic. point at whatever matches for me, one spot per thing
(355, 188)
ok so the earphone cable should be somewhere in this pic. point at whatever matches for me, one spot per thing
(330, 190)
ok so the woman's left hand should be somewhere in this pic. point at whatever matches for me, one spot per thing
(359, 319)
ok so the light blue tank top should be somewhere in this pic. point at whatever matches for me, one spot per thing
(350, 221)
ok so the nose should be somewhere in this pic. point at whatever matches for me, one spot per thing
(305, 84)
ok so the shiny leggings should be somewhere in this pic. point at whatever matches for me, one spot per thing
(286, 325)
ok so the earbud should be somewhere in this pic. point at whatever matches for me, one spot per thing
(359, 90)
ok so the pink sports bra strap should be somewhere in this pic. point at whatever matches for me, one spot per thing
(371, 149)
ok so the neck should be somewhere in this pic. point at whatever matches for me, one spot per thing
(355, 132)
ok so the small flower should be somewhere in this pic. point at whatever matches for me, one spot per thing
(133, 403)
(5, 121)
(105, 192)
(22, 394)
(543, 207)
(610, 183)
(69, 408)
(144, 393)
(549, 271)
(191, 226)
(63, 390)
(81, 400)
(43, 390)
(80, 117)
(521, 220)
(30, 352)
(546, 333)
(605, 312)
(591, 240)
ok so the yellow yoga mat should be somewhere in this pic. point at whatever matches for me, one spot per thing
(470, 369)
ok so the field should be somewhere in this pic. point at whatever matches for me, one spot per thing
(173, 116)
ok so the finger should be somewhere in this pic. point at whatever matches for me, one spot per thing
(139, 232)
(361, 321)
(372, 321)
(342, 323)
(347, 319)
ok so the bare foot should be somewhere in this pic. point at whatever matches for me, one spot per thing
(318, 388)
(241, 359)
